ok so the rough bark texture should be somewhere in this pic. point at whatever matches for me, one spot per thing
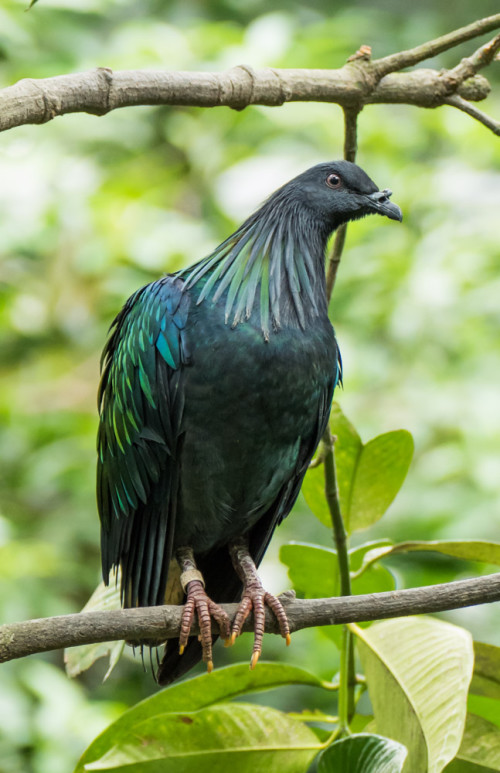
(160, 623)
(361, 81)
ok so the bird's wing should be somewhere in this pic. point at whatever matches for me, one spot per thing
(141, 401)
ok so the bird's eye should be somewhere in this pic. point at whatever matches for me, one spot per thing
(333, 181)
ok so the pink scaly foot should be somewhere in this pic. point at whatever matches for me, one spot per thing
(199, 603)
(254, 597)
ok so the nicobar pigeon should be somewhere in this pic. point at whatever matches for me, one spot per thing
(216, 388)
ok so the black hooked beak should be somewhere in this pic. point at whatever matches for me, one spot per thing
(380, 202)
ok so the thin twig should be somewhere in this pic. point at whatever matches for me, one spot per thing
(412, 56)
(472, 110)
(482, 57)
(160, 623)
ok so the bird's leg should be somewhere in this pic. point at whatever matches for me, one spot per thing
(256, 598)
(198, 602)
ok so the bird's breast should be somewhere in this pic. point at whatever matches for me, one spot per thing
(249, 405)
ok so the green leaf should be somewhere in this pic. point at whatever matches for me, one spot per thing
(486, 677)
(418, 671)
(380, 473)
(221, 738)
(470, 550)
(312, 569)
(480, 748)
(363, 753)
(79, 659)
(484, 691)
(368, 476)
(348, 451)
(314, 573)
(348, 446)
(196, 693)
(487, 708)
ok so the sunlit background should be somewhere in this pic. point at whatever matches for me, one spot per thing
(90, 209)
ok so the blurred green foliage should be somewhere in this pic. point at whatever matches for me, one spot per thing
(91, 208)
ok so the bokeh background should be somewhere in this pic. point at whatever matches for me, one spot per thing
(90, 209)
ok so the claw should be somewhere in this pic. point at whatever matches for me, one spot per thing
(199, 605)
(254, 598)
(288, 640)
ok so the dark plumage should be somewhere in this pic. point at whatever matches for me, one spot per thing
(216, 388)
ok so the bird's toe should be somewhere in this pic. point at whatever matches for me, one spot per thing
(256, 598)
(199, 604)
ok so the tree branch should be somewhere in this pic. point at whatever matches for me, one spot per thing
(160, 623)
(482, 57)
(359, 82)
(434, 47)
(472, 110)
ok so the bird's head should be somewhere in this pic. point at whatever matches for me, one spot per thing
(338, 192)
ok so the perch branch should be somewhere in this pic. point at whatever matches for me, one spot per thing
(160, 623)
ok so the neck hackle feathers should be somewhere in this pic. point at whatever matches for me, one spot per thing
(273, 262)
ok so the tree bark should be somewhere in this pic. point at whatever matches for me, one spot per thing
(359, 82)
(160, 623)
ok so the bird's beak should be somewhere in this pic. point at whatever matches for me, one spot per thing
(380, 202)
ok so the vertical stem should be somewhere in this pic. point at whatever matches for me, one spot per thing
(350, 148)
(347, 671)
(332, 498)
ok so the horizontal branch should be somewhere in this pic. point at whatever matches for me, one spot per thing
(160, 623)
(359, 82)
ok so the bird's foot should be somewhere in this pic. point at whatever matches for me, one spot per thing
(200, 604)
(255, 598)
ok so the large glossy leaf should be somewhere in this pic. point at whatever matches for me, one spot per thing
(368, 475)
(78, 659)
(363, 753)
(380, 473)
(220, 738)
(222, 684)
(418, 671)
(480, 748)
(470, 550)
